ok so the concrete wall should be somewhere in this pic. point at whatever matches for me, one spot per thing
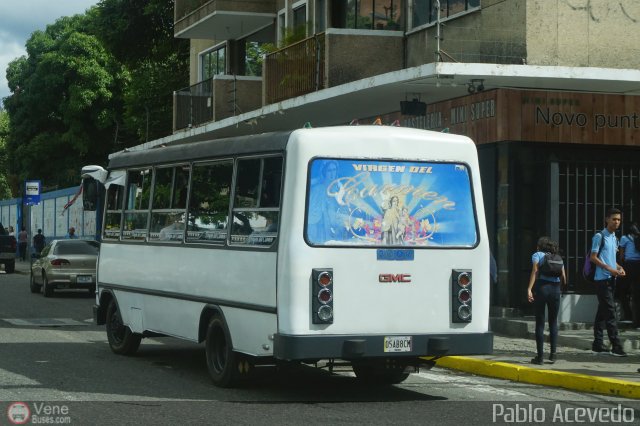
(352, 55)
(493, 34)
(583, 33)
(248, 95)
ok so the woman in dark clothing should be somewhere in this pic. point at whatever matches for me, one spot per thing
(544, 292)
(630, 257)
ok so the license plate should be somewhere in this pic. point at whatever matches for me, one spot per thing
(84, 279)
(397, 343)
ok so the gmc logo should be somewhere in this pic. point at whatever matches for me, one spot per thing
(394, 278)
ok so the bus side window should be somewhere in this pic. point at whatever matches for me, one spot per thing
(209, 202)
(136, 214)
(168, 207)
(113, 214)
(257, 201)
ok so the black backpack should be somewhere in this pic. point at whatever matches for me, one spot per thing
(551, 265)
(589, 268)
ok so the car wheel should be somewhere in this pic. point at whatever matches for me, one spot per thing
(35, 288)
(379, 373)
(122, 340)
(225, 366)
(10, 267)
(47, 290)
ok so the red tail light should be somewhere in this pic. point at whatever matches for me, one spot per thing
(60, 262)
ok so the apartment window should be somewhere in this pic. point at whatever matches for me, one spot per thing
(426, 11)
(213, 62)
(282, 25)
(320, 18)
(299, 14)
(374, 14)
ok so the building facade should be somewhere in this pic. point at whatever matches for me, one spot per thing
(548, 89)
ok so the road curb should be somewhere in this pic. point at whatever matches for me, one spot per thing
(561, 379)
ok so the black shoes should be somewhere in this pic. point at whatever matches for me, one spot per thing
(597, 349)
(537, 360)
(618, 351)
(552, 358)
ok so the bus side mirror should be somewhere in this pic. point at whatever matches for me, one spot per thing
(90, 194)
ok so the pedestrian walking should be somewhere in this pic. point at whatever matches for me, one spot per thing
(547, 275)
(607, 271)
(39, 242)
(72, 233)
(23, 240)
(630, 258)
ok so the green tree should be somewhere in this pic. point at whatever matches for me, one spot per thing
(139, 33)
(65, 103)
(5, 190)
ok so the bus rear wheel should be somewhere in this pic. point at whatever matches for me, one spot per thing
(122, 340)
(379, 372)
(225, 366)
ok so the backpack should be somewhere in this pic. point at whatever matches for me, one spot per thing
(589, 268)
(551, 265)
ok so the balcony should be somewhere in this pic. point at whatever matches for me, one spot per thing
(221, 19)
(330, 59)
(215, 99)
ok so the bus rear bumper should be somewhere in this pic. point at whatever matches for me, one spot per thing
(302, 347)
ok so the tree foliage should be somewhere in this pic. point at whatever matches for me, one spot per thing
(89, 85)
(5, 191)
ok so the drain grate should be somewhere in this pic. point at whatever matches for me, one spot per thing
(43, 322)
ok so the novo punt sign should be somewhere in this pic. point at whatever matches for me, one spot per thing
(32, 192)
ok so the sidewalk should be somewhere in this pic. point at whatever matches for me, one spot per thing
(577, 368)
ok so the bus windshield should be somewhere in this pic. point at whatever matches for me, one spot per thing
(389, 203)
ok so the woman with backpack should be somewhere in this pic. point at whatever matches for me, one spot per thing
(630, 257)
(547, 275)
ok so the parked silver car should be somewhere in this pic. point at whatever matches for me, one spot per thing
(65, 264)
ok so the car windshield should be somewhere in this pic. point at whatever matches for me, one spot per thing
(77, 247)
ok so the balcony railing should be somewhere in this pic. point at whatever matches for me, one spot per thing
(193, 105)
(295, 70)
(183, 8)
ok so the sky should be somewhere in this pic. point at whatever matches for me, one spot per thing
(19, 18)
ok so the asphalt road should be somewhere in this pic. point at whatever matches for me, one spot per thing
(55, 361)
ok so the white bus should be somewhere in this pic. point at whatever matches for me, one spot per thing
(359, 244)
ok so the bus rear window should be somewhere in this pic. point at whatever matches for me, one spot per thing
(389, 203)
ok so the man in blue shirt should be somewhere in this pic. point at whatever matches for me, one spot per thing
(607, 270)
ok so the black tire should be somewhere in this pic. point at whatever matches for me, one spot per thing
(226, 367)
(47, 290)
(379, 372)
(122, 340)
(35, 288)
(10, 267)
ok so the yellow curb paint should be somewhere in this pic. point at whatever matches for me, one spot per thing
(518, 373)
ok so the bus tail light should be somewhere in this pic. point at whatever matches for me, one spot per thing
(461, 282)
(322, 296)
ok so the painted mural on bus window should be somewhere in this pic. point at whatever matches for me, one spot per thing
(390, 203)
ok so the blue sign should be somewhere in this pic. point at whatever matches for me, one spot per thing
(390, 203)
(32, 190)
(394, 254)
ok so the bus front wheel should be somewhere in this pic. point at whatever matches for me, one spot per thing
(379, 372)
(223, 363)
(122, 340)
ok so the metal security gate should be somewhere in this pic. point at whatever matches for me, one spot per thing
(581, 194)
